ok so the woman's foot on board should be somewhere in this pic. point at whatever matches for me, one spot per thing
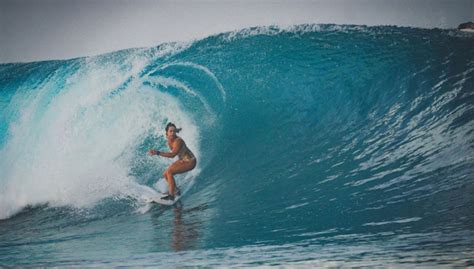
(168, 197)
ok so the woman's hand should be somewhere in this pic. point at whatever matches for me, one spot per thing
(153, 152)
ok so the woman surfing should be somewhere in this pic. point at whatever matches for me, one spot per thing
(187, 161)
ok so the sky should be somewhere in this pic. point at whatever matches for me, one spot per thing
(34, 30)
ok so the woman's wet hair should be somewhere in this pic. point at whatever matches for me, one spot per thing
(170, 124)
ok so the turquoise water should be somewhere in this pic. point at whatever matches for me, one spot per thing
(317, 145)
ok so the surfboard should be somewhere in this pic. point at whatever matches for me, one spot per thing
(159, 199)
(161, 190)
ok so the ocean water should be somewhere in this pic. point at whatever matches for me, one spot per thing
(317, 146)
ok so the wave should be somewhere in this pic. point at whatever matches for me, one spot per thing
(313, 128)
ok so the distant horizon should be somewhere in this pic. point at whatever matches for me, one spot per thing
(63, 29)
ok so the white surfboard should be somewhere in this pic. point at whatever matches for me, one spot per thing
(162, 188)
(159, 199)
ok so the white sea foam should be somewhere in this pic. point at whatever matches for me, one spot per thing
(298, 29)
(76, 148)
(171, 82)
(202, 68)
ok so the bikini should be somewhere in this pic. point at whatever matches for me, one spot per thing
(185, 154)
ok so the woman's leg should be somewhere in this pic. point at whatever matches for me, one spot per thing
(177, 167)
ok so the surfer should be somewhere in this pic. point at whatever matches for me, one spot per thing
(186, 161)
